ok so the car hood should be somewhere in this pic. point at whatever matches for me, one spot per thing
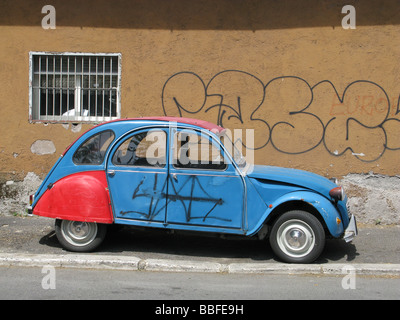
(295, 177)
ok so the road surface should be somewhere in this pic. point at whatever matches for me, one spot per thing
(19, 283)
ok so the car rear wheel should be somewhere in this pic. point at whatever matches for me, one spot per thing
(80, 236)
(297, 237)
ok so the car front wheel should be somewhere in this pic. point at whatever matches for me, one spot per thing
(80, 236)
(297, 237)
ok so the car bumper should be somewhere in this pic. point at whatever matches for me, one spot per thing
(351, 230)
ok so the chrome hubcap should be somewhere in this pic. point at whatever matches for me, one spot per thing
(295, 238)
(79, 233)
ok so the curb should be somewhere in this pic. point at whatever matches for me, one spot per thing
(107, 262)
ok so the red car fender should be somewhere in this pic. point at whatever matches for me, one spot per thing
(81, 196)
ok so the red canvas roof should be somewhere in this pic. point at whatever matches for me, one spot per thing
(201, 123)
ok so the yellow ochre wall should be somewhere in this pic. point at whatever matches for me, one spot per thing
(320, 97)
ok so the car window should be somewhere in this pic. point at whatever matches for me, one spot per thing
(194, 150)
(93, 150)
(146, 148)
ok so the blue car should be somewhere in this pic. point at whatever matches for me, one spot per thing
(186, 174)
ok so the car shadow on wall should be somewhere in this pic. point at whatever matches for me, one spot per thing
(159, 244)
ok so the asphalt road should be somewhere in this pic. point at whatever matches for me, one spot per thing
(19, 283)
(35, 235)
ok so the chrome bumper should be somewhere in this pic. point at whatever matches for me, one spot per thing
(351, 230)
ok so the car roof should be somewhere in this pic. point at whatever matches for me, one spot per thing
(196, 122)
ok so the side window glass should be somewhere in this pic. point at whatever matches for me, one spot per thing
(143, 149)
(93, 150)
(196, 151)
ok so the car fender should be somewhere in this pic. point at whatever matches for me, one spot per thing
(325, 208)
(80, 196)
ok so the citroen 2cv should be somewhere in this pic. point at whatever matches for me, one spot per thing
(184, 174)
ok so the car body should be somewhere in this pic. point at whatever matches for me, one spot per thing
(147, 172)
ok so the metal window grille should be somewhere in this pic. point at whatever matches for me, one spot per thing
(68, 87)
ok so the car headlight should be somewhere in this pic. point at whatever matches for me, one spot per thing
(337, 193)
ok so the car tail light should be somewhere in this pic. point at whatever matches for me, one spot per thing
(31, 199)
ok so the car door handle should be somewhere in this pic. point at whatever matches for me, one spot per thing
(174, 176)
(111, 173)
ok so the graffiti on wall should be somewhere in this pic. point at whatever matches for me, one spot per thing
(290, 114)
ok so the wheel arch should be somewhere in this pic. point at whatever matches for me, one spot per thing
(314, 203)
(293, 205)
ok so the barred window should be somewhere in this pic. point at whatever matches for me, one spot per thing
(74, 87)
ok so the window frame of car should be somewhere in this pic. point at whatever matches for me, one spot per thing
(211, 139)
(128, 136)
(93, 136)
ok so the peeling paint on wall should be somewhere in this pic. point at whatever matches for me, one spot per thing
(75, 127)
(42, 147)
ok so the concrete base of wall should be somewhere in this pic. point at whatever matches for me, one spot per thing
(14, 195)
(373, 199)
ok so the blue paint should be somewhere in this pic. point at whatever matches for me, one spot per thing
(294, 177)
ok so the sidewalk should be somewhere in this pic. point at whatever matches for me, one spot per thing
(30, 241)
(130, 263)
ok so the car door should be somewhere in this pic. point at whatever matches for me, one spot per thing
(137, 176)
(204, 189)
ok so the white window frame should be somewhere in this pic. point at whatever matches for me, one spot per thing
(66, 91)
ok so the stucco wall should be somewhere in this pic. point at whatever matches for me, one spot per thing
(320, 98)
